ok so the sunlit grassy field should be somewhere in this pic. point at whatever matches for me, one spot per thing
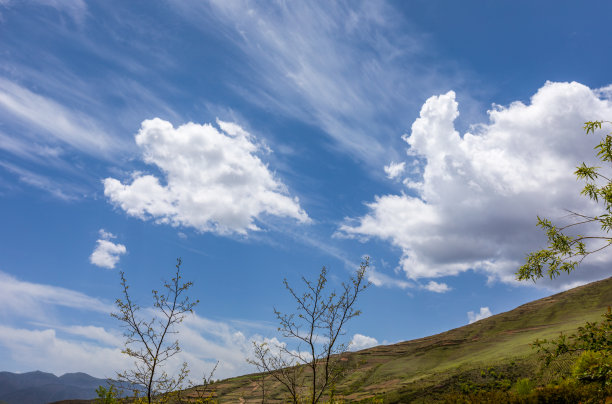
(494, 351)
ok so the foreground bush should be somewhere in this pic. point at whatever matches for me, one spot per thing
(567, 392)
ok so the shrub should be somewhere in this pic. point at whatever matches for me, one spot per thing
(594, 366)
(107, 396)
(523, 387)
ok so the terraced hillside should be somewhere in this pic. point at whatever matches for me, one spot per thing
(492, 351)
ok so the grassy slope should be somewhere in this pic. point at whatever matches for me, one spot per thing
(414, 370)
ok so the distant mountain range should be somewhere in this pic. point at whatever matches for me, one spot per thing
(42, 388)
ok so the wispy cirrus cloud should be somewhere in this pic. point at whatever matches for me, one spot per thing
(345, 67)
(59, 116)
(26, 149)
(30, 336)
(52, 120)
(383, 280)
(33, 340)
(31, 300)
(76, 9)
(58, 188)
(45, 350)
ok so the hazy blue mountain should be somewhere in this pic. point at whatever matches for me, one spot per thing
(41, 388)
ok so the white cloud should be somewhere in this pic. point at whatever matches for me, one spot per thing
(29, 300)
(106, 235)
(204, 342)
(94, 333)
(40, 343)
(58, 189)
(346, 67)
(381, 279)
(280, 350)
(214, 180)
(106, 254)
(484, 313)
(59, 123)
(360, 341)
(31, 339)
(479, 194)
(436, 287)
(77, 9)
(394, 170)
(27, 149)
(44, 350)
(60, 349)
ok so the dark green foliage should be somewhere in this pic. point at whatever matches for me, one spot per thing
(523, 386)
(593, 336)
(566, 251)
(107, 396)
(592, 369)
(468, 385)
(562, 394)
(594, 366)
(493, 378)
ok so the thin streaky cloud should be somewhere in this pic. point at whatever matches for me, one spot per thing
(45, 350)
(58, 189)
(28, 150)
(344, 68)
(52, 120)
(76, 9)
(33, 300)
(57, 347)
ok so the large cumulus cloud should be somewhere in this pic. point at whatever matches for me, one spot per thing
(214, 180)
(475, 202)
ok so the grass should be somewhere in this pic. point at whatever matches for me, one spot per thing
(491, 353)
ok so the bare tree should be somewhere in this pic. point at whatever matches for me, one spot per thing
(260, 352)
(203, 392)
(147, 339)
(280, 365)
(317, 326)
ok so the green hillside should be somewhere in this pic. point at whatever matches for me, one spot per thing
(493, 351)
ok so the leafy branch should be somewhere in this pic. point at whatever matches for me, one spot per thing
(564, 252)
(593, 341)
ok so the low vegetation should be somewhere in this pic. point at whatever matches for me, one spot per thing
(492, 360)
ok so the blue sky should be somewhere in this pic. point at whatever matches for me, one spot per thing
(262, 140)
